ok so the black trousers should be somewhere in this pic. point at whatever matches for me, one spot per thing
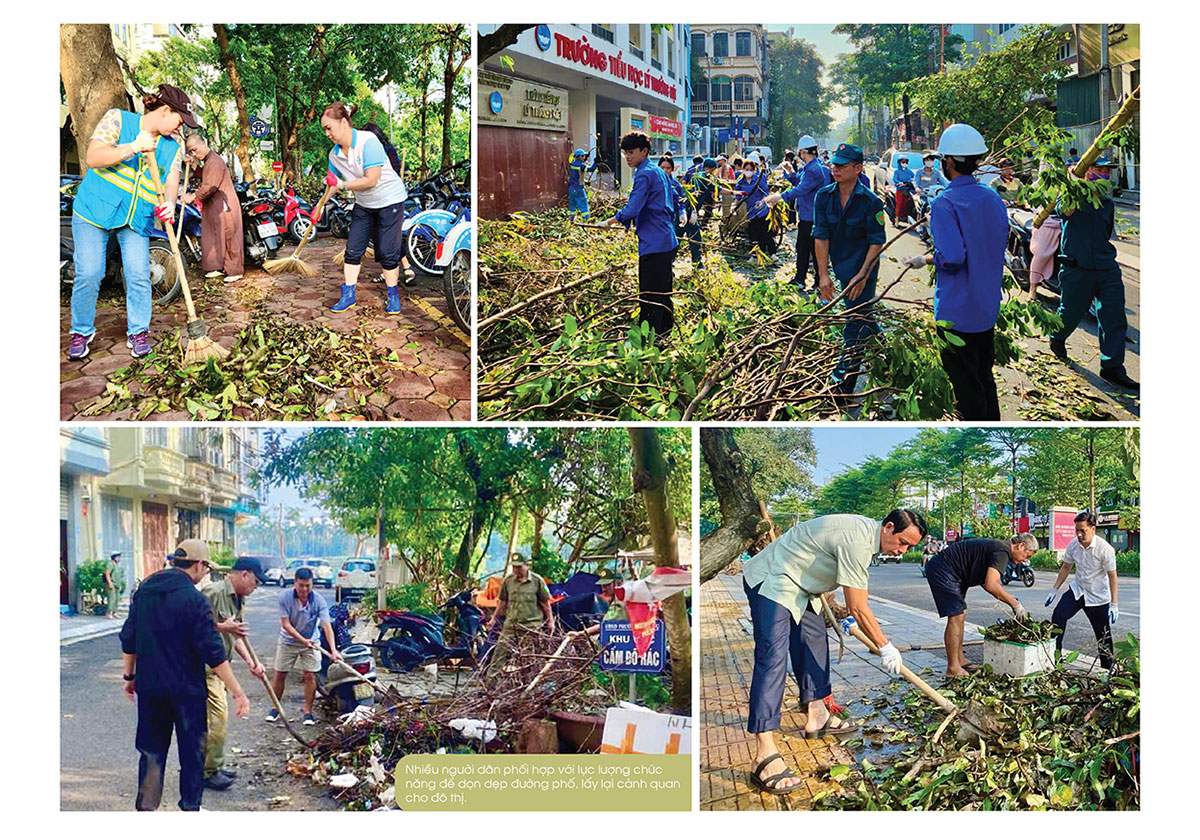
(760, 235)
(778, 638)
(970, 370)
(383, 226)
(655, 280)
(806, 255)
(1068, 605)
(158, 714)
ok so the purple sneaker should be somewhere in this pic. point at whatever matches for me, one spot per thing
(139, 344)
(79, 346)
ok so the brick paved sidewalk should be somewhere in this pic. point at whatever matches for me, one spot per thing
(428, 379)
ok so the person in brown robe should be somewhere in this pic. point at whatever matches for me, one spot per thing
(221, 216)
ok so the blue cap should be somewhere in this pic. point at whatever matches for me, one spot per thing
(847, 153)
(578, 153)
(709, 163)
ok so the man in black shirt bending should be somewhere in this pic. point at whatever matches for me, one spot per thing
(958, 567)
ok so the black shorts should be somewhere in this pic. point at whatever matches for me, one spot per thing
(948, 590)
(382, 225)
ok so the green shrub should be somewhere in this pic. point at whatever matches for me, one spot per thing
(412, 597)
(89, 578)
(1129, 563)
(1045, 559)
(913, 555)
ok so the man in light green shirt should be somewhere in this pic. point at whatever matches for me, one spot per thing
(784, 583)
(524, 604)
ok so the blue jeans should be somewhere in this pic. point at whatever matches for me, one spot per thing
(855, 334)
(91, 262)
(577, 201)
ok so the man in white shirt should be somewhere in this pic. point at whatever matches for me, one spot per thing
(1094, 589)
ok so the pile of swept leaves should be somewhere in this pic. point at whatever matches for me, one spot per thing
(1070, 742)
(1056, 392)
(557, 337)
(277, 370)
(1027, 632)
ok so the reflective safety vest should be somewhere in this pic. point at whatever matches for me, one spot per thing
(123, 194)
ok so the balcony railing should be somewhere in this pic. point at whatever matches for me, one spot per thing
(637, 51)
(600, 32)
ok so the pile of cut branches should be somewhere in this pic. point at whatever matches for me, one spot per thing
(558, 340)
(1027, 632)
(1069, 741)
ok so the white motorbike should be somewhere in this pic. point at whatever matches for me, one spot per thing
(453, 258)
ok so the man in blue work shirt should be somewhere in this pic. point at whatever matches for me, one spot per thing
(300, 612)
(686, 226)
(811, 177)
(577, 201)
(704, 184)
(969, 227)
(651, 208)
(848, 231)
(752, 188)
(1087, 271)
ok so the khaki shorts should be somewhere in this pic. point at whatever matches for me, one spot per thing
(296, 658)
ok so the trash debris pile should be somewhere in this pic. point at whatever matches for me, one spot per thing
(1069, 741)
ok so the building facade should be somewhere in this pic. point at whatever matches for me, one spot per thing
(563, 87)
(141, 490)
(729, 106)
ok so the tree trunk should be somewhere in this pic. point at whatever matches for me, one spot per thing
(650, 478)
(381, 563)
(462, 563)
(741, 522)
(539, 522)
(908, 135)
(449, 74)
(512, 537)
(424, 129)
(92, 79)
(282, 542)
(239, 97)
(1091, 456)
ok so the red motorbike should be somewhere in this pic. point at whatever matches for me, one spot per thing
(297, 219)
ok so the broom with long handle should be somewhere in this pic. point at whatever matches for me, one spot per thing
(369, 254)
(199, 347)
(293, 264)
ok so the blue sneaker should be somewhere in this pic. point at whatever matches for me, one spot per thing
(393, 300)
(347, 299)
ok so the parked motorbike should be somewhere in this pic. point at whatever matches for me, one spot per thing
(259, 231)
(409, 640)
(336, 216)
(297, 216)
(189, 234)
(1019, 254)
(453, 257)
(164, 280)
(1017, 571)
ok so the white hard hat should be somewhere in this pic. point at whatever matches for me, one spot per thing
(806, 142)
(961, 140)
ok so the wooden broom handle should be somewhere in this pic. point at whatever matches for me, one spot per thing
(316, 214)
(925, 688)
(162, 199)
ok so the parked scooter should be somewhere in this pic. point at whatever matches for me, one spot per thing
(297, 216)
(189, 234)
(164, 281)
(453, 257)
(259, 231)
(1019, 253)
(409, 640)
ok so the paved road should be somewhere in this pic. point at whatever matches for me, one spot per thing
(902, 582)
(98, 761)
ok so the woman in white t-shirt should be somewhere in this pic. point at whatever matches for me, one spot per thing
(358, 162)
(1094, 589)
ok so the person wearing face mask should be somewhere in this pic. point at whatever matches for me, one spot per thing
(811, 177)
(905, 182)
(1094, 589)
(752, 187)
(118, 195)
(969, 227)
(1087, 271)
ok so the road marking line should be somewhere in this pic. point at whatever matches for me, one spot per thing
(436, 314)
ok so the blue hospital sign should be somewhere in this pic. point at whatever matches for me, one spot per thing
(618, 653)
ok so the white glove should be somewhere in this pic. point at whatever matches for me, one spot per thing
(1050, 598)
(915, 262)
(143, 143)
(892, 661)
(1020, 612)
(1114, 612)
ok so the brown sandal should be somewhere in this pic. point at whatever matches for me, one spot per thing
(771, 783)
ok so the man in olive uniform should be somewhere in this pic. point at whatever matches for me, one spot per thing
(1088, 271)
(524, 603)
(112, 584)
(227, 597)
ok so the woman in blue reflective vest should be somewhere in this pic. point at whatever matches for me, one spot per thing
(117, 196)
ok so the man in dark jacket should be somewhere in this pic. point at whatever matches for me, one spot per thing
(166, 642)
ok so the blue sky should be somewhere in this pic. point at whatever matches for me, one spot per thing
(841, 447)
(829, 47)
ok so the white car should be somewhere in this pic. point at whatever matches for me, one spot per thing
(355, 579)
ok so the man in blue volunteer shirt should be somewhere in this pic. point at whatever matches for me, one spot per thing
(969, 227)
(1087, 271)
(686, 227)
(811, 177)
(652, 210)
(300, 612)
(577, 200)
(848, 232)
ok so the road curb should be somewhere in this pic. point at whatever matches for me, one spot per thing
(85, 637)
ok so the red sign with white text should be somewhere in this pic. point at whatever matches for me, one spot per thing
(663, 127)
(1062, 528)
(581, 52)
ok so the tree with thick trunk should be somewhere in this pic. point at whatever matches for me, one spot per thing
(742, 521)
(456, 43)
(650, 479)
(91, 76)
(239, 97)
